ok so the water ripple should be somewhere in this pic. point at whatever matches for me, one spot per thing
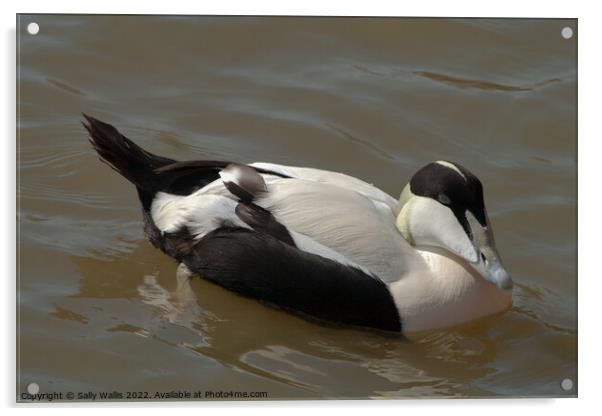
(466, 83)
(371, 147)
(65, 87)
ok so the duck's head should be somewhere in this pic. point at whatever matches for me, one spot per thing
(442, 206)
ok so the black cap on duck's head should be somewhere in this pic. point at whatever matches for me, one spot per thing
(443, 206)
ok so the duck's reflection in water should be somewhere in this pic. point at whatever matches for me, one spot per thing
(179, 306)
(248, 336)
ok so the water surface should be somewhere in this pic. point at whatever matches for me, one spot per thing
(374, 98)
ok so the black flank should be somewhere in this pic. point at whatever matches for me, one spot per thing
(179, 244)
(259, 266)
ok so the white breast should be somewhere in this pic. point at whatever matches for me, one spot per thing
(448, 294)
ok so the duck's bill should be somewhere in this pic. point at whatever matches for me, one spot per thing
(488, 262)
(497, 274)
(491, 268)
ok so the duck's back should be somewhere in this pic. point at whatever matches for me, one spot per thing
(361, 229)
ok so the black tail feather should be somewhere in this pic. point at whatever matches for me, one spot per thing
(151, 173)
(120, 153)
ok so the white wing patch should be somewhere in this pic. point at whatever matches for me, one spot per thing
(201, 213)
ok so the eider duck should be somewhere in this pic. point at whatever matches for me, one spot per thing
(320, 243)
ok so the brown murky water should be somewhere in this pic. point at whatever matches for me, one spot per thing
(375, 98)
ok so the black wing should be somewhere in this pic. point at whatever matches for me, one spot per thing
(184, 178)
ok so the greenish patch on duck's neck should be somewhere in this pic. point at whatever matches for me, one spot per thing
(403, 216)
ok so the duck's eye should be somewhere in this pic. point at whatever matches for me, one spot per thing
(483, 258)
(444, 199)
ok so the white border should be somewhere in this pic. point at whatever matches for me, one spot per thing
(462, 8)
(590, 188)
